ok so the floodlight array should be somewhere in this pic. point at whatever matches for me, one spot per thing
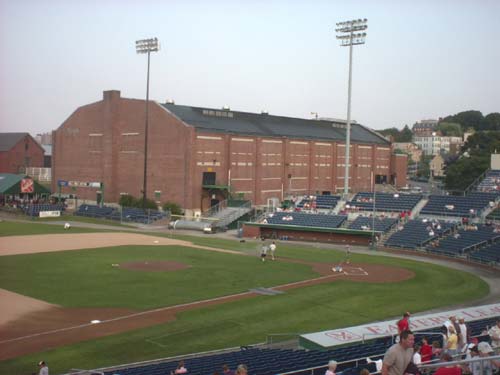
(349, 32)
(147, 45)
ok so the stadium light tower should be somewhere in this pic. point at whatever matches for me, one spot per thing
(146, 46)
(350, 33)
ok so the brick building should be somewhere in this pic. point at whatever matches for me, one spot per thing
(19, 151)
(196, 155)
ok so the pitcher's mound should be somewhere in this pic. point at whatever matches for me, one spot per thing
(154, 266)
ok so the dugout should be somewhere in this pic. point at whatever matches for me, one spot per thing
(311, 234)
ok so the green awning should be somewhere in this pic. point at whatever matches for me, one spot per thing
(10, 184)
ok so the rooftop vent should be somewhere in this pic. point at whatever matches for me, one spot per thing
(264, 112)
(170, 101)
(226, 108)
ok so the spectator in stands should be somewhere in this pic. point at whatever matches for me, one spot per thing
(452, 343)
(436, 350)
(417, 357)
(404, 323)
(332, 366)
(180, 369)
(484, 367)
(494, 333)
(44, 370)
(425, 350)
(463, 337)
(364, 371)
(241, 370)
(399, 355)
(226, 370)
(448, 370)
(272, 247)
(412, 369)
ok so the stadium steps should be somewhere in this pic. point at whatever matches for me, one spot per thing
(418, 207)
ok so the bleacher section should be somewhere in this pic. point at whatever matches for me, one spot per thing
(465, 240)
(276, 361)
(35, 209)
(365, 223)
(99, 212)
(417, 233)
(491, 182)
(487, 254)
(136, 215)
(385, 202)
(306, 220)
(327, 202)
(459, 206)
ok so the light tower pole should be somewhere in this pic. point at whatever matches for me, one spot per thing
(350, 33)
(146, 46)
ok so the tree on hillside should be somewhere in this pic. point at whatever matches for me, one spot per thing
(389, 132)
(405, 134)
(467, 119)
(450, 129)
(474, 160)
(398, 136)
(492, 121)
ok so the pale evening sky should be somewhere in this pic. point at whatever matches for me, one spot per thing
(422, 59)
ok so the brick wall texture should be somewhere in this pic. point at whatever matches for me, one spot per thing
(104, 142)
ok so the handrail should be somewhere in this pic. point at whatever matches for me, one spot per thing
(476, 182)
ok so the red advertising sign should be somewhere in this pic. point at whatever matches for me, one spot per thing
(27, 185)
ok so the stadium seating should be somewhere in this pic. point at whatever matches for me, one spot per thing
(35, 209)
(90, 210)
(384, 202)
(415, 233)
(306, 220)
(487, 254)
(127, 214)
(260, 361)
(449, 205)
(322, 201)
(365, 223)
(491, 182)
(465, 240)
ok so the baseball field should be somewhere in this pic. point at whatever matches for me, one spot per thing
(85, 298)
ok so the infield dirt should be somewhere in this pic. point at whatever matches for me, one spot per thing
(28, 325)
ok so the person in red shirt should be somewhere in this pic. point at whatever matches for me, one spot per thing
(425, 350)
(448, 370)
(404, 323)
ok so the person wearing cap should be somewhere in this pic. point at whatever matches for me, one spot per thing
(44, 370)
(494, 333)
(332, 366)
(484, 367)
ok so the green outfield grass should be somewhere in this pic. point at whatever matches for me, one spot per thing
(86, 278)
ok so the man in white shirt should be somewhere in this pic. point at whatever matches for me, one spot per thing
(44, 370)
(494, 333)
